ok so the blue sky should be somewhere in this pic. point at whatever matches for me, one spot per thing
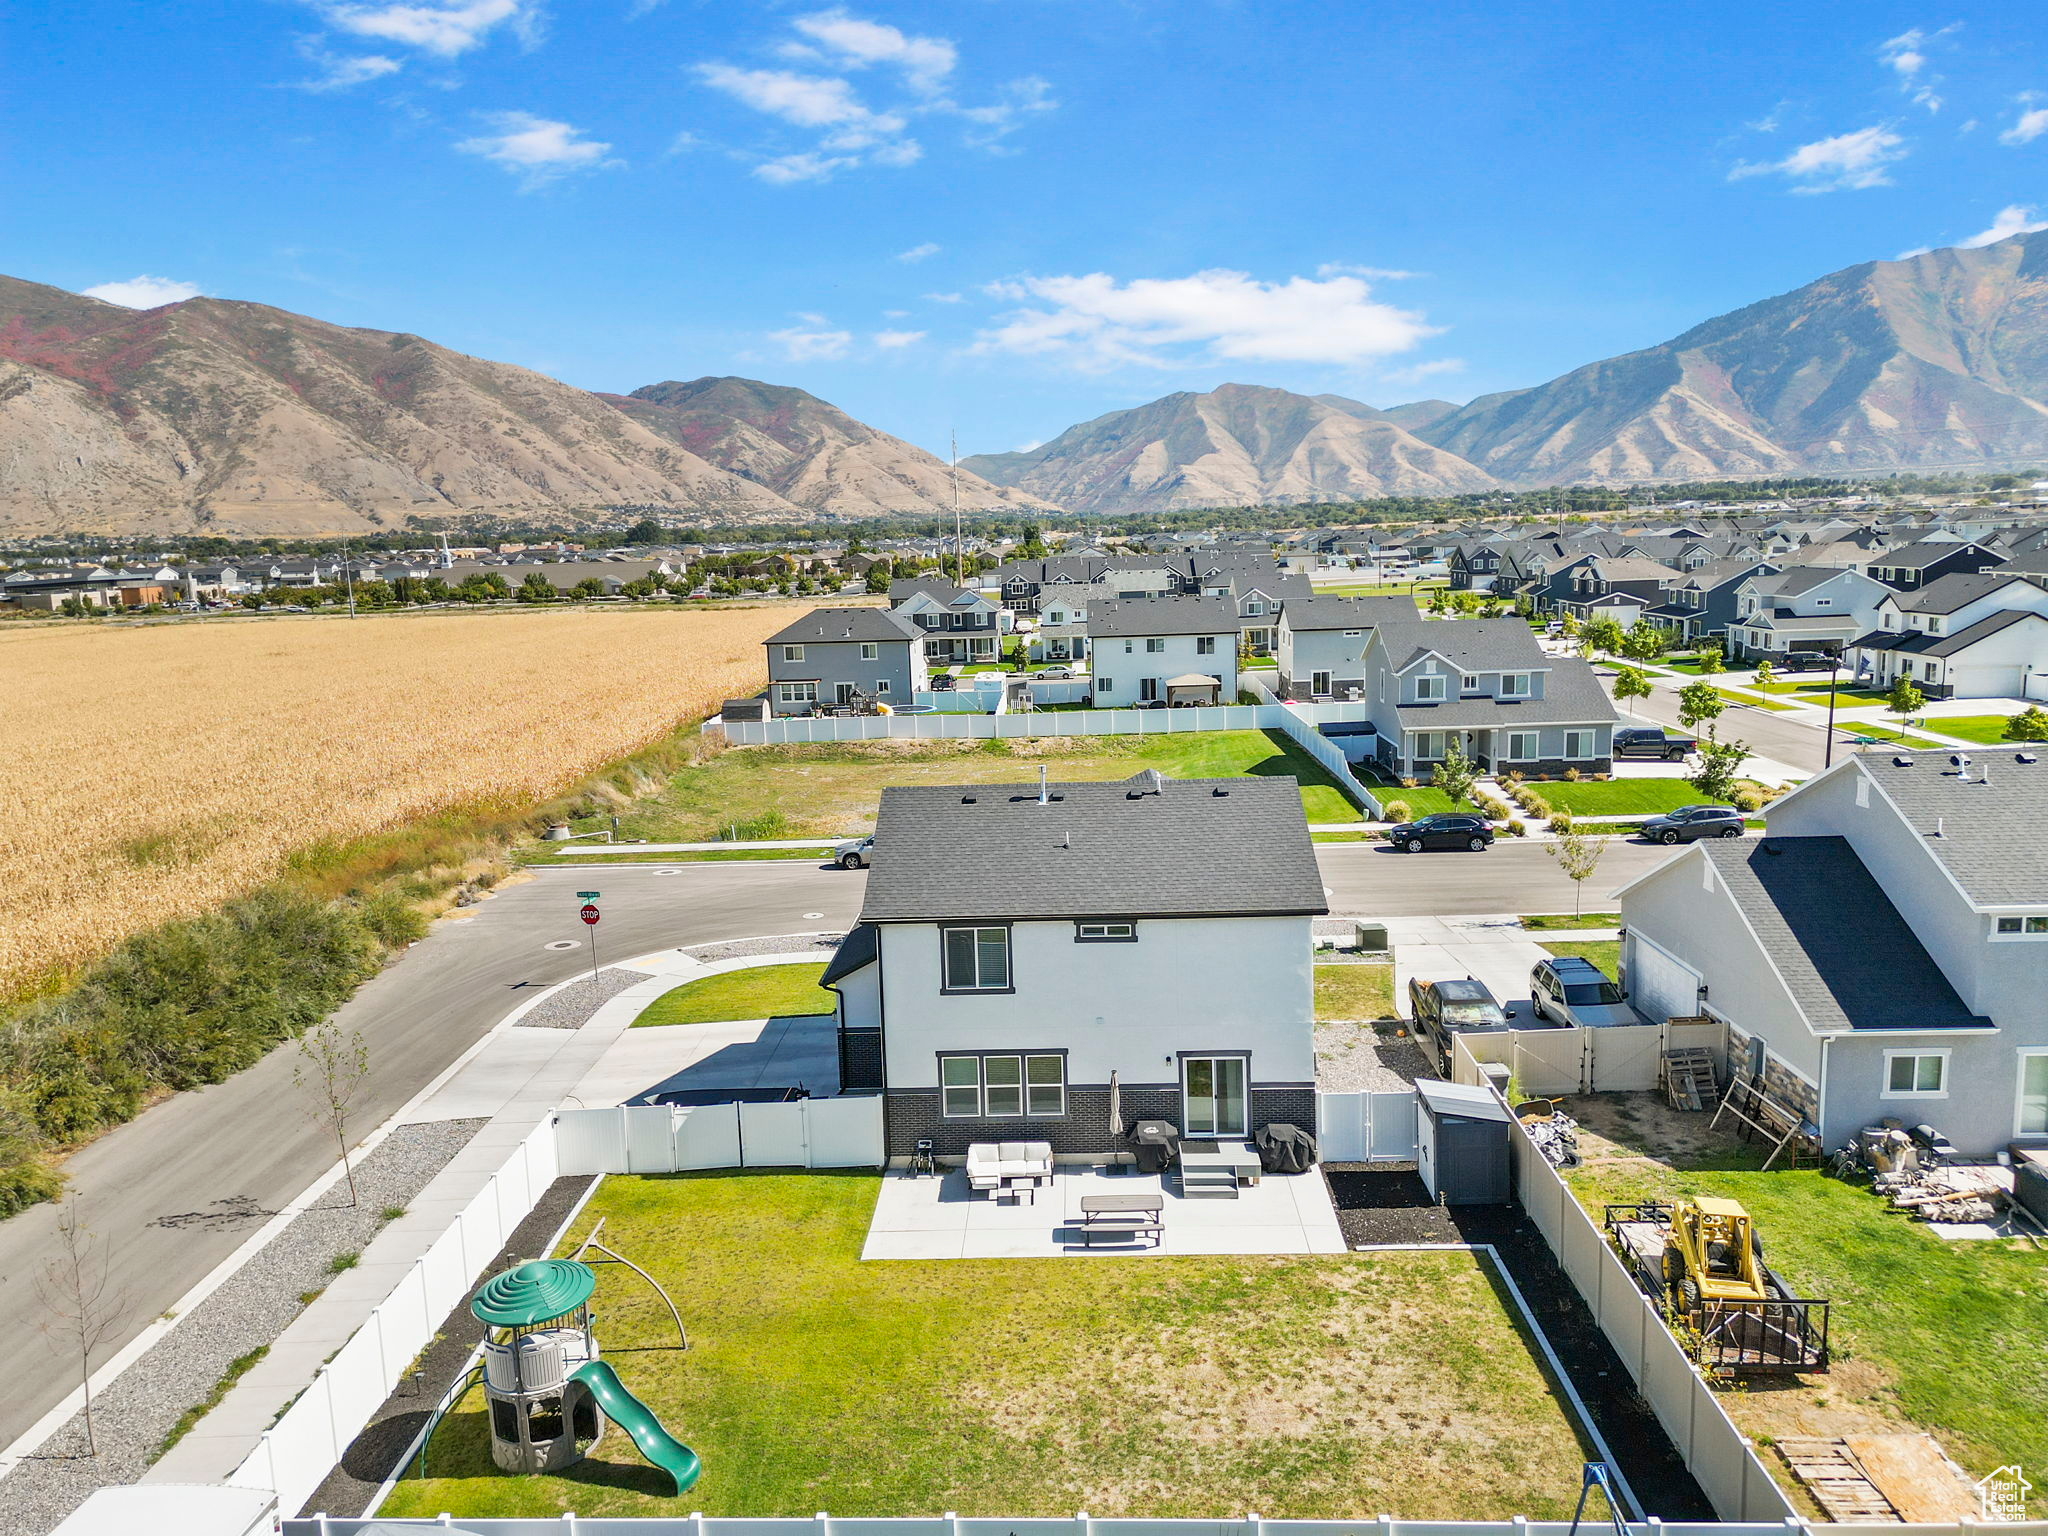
(1007, 216)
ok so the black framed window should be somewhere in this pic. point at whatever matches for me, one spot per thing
(1105, 933)
(976, 959)
(1021, 1085)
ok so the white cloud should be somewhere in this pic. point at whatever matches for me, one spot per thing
(339, 72)
(1215, 315)
(2031, 124)
(537, 149)
(990, 124)
(945, 298)
(805, 346)
(919, 252)
(1846, 162)
(143, 292)
(1428, 370)
(784, 169)
(851, 43)
(1349, 269)
(893, 341)
(2016, 219)
(1036, 442)
(444, 30)
(1906, 56)
(850, 131)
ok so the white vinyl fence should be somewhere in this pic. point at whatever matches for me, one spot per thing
(1548, 1063)
(1717, 1454)
(1086, 1525)
(295, 1454)
(1366, 1127)
(669, 1138)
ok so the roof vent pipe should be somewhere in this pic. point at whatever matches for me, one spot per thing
(1939, 822)
(1041, 784)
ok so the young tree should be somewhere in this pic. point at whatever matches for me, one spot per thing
(1715, 774)
(536, 588)
(878, 577)
(1905, 699)
(1455, 775)
(332, 1068)
(1709, 660)
(2028, 725)
(1764, 677)
(1578, 855)
(81, 1308)
(1698, 704)
(1631, 683)
(1603, 634)
(1645, 642)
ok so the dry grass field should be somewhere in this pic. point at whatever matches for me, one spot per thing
(153, 772)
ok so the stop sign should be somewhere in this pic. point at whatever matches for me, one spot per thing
(590, 913)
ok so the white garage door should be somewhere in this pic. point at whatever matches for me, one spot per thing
(1660, 987)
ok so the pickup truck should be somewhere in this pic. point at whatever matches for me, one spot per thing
(1648, 741)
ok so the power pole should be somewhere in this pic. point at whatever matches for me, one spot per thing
(348, 572)
(959, 539)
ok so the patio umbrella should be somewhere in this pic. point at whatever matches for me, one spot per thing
(1116, 1106)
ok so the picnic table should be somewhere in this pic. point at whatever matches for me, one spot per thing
(1122, 1216)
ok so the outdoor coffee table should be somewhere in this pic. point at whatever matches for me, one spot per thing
(1122, 1216)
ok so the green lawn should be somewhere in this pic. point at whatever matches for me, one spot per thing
(1605, 953)
(1752, 701)
(1360, 990)
(1176, 1388)
(1987, 729)
(1258, 663)
(1421, 800)
(832, 790)
(1886, 733)
(1817, 693)
(1548, 922)
(1618, 797)
(1952, 1336)
(759, 992)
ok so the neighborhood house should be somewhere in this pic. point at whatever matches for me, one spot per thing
(851, 657)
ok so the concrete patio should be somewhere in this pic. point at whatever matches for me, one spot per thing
(936, 1218)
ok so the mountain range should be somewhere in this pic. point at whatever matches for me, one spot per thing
(231, 417)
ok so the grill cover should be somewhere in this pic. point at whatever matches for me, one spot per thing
(1285, 1148)
(1157, 1144)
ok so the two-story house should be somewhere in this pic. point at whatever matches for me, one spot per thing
(1621, 587)
(1916, 565)
(1803, 608)
(960, 626)
(1488, 686)
(1960, 637)
(1702, 604)
(1322, 641)
(1259, 593)
(850, 656)
(1020, 949)
(1881, 952)
(1162, 650)
(1062, 632)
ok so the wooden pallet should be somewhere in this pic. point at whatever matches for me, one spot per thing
(1749, 1102)
(1688, 1075)
(1829, 1471)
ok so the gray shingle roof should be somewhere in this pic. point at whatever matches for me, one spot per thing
(1315, 613)
(1920, 643)
(1572, 695)
(1945, 594)
(822, 626)
(1477, 645)
(1847, 957)
(1133, 616)
(1991, 834)
(856, 949)
(1193, 848)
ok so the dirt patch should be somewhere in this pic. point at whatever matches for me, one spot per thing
(1642, 1125)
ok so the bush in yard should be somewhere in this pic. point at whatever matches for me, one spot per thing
(1517, 829)
(1560, 821)
(1746, 800)
(1571, 775)
(1396, 810)
(2028, 725)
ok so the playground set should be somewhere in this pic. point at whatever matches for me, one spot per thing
(548, 1390)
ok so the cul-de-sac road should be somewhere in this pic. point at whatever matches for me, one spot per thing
(249, 1139)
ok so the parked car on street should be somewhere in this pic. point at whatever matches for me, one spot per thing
(1454, 1007)
(1651, 741)
(1571, 991)
(854, 853)
(1810, 661)
(1054, 674)
(1690, 822)
(1445, 829)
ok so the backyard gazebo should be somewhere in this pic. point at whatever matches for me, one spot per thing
(1192, 688)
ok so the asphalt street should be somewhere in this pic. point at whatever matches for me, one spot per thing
(176, 1191)
(1798, 741)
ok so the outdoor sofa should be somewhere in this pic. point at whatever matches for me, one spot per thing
(989, 1163)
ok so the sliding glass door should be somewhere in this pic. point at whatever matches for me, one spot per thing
(1213, 1095)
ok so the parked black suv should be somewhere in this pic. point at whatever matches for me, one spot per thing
(1689, 822)
(1443, 1008)
(1810, 661)
(1649, 741)
(1446, 829)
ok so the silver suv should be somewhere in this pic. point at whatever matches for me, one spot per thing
(1576, 992)
(854, 853)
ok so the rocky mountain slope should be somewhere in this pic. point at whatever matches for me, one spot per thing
(1940, 359)
(809, 453)
(1237, 445)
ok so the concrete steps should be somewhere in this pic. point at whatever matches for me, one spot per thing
(1199, 1183)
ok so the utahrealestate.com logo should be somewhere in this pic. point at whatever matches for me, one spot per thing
(2003, 1494)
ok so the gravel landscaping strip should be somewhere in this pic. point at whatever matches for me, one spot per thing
(1356, 1058)
(740, 949)
(249, 1310)
(573, 1006)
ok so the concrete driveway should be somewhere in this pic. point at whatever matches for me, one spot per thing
(1495, 950)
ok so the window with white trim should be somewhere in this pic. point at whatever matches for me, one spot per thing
(1468, 685)
(2021, 928)
(870, 651)
(1205, 645)
(1155, 644)
(1105, 685)
(1254, 608)
(1429, 688)
(1578, 744)
(796, 693)
(1105, 933)
(881, 685)
(1916, 1074)
(2033, 1106)
(1513, 685)
(976, 959)
(1524, 746)
(792, 653)
(1319, 682)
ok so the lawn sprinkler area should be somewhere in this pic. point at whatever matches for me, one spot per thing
(1331, 1387)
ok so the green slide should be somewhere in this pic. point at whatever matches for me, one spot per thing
(631, 1415)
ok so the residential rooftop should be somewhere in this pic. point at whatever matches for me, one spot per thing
(1135, 616)
(1987, 830)
(825, 626)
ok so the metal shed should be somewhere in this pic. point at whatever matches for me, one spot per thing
(1462, 1144)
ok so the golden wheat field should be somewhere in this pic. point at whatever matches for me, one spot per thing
(153, 772)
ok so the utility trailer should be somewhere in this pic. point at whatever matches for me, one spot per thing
(1703, 1261)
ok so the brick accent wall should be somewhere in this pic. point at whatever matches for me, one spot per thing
(1780, 1081)
(1084, 1131)
(860, 1060)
